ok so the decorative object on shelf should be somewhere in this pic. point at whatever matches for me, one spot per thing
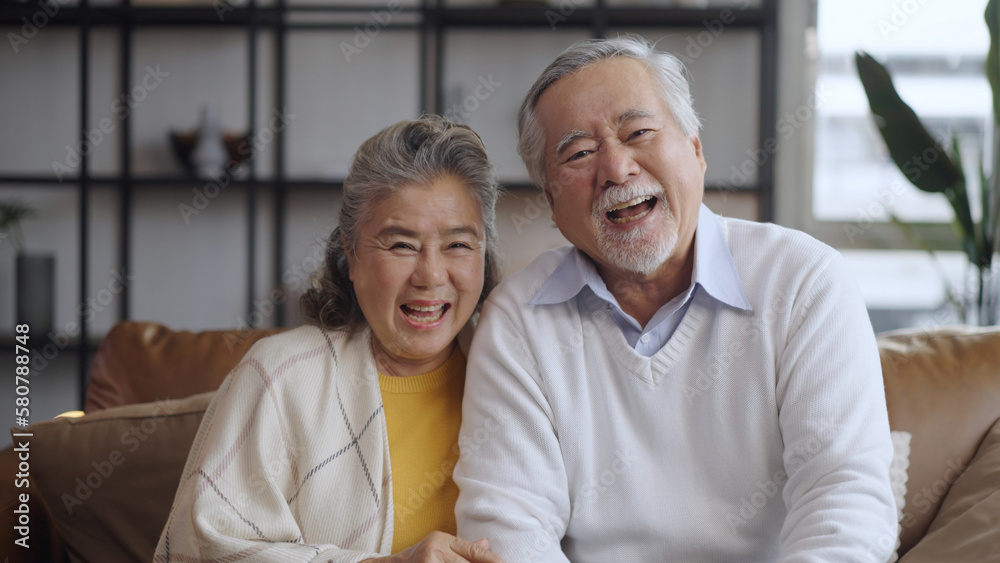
(207, 151)
(931, 168)
(34, 285)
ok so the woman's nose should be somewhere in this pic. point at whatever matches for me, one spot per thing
(430, 270)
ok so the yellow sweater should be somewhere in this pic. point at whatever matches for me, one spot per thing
(422, 415)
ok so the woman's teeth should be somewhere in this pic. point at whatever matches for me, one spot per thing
(424, 314)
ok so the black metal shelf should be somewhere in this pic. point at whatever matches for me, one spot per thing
(285, 184)
(585, 17)
(170, 16)
(431, 20)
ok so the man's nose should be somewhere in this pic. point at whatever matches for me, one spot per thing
(616, 165)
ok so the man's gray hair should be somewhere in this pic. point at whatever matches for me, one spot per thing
(667, 69)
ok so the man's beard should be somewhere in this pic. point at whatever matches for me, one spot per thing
(637, 250)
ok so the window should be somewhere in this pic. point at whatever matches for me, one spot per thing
(842, 186)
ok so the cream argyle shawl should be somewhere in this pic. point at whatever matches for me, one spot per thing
(291, 462)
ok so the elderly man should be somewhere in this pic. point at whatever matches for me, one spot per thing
(674, 386)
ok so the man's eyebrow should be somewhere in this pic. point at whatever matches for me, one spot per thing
(576, 134)
(630, 114)
(570, 138)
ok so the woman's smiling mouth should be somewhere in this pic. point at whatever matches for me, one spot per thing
(424, 314)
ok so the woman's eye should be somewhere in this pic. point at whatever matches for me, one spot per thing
(638, 133)
(401, 246)
(460, 245)
(578, 155)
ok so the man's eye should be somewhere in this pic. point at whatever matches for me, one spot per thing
(578, 155)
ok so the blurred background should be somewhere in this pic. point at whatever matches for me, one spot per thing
(103, 104)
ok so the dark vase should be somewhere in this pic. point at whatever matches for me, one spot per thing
(35, 291)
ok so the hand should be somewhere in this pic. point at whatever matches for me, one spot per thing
(439, 547)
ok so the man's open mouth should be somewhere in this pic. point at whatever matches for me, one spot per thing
(424, 314)
(631, 210)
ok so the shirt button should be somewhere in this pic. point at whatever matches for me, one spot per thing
(644, 338)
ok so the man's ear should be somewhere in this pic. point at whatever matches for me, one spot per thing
(699, 154)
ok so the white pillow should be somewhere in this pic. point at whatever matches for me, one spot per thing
(897, 478)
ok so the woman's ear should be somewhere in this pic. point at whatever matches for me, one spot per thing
(349, 254)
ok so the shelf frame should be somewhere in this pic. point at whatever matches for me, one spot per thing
(432, 19)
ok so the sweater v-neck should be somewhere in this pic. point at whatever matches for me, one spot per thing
(649, 369)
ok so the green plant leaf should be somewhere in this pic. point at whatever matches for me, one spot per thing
(915, 151)
(958, 197)
(911, 235)
(13, 212)
(986, 223)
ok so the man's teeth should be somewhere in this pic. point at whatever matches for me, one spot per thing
(631, 202)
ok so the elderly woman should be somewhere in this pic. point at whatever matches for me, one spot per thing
(336, 441)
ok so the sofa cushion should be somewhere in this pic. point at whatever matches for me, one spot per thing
(145, 362)
(109, 478)
(943, 387)
(967, 528)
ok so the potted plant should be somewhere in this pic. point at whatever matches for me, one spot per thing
(940, 170)
(35, 277)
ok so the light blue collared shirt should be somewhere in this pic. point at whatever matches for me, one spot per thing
(714, 273)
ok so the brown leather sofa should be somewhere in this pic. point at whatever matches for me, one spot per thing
(101, 485)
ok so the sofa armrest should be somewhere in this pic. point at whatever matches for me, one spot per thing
(943, 387)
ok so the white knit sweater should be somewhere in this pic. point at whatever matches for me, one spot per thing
(750, 436)
(291, 462)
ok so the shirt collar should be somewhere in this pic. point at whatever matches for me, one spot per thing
(714, 270)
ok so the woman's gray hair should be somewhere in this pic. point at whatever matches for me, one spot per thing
(668, 70)
(408, 153)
